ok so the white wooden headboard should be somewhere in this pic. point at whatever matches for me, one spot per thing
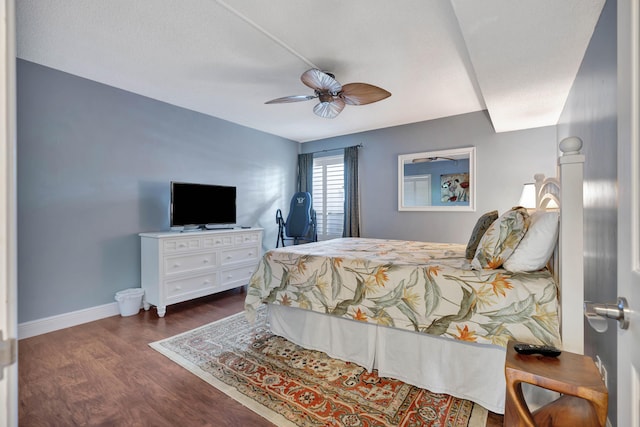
(566, 192)
(547, 192)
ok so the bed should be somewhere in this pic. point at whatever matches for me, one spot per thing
(426, 313)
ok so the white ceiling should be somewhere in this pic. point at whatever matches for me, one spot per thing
(438, 58)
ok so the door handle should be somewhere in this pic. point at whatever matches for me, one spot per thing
(598, 313)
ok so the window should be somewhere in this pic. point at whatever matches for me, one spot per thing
(328, 195)
(417, 190)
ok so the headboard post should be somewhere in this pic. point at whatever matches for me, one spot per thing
(539, 182)
(571, 274)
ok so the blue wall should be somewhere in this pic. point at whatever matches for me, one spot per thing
(504, 162)
(94, 166)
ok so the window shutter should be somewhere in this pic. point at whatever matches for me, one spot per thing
(328, 195)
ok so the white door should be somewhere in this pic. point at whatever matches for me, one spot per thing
(629, 209)
(8, 301)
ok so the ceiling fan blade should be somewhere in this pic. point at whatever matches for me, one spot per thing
(320, 81)
(294, 98)
(329, 110)
(362, 93)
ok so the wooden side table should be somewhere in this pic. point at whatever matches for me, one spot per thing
(585, 397)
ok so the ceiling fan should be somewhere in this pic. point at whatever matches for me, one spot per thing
(332, 95)
(431, 159)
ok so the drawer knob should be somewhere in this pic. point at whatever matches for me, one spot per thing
(229, 277)
(205, 261)
(176, 265)
(229, 257)
(178, 287)
(206, 282)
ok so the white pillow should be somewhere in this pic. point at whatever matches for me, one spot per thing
(536, 247)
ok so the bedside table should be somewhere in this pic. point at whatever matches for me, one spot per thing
(585, 397)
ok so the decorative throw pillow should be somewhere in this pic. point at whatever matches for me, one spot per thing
(483, 224)
(501, 239)
(537, 245)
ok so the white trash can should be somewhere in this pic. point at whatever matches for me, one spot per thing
(129, 301)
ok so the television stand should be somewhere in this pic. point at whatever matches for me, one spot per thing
(180, 267)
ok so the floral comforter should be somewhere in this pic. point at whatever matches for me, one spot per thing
(418, 286)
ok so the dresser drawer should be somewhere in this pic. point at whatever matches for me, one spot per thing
(175, 288)
(240, 274)
(232, 256)
(186, 263)
(182, 245)
(217, 241)
(245, 238)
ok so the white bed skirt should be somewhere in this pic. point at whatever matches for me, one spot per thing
(465, 370)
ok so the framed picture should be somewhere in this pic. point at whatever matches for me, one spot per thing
(454, 188)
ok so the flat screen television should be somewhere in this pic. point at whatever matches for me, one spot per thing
(196, 206)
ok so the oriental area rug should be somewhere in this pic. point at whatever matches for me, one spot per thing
(291, 386)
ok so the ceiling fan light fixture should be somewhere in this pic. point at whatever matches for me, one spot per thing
(329, 110)
(332, 95)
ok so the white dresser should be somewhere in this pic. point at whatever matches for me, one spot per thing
(180, 266)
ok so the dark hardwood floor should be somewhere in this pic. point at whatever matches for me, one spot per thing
(104, 373)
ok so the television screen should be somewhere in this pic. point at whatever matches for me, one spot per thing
(202, 204)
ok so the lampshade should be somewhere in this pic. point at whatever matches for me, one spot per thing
(528, 196)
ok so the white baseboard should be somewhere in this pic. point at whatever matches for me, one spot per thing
(66, 320)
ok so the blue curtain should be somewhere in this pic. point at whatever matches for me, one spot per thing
(351, 226)
(305, 172)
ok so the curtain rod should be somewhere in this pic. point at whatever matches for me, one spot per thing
(334, 149)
